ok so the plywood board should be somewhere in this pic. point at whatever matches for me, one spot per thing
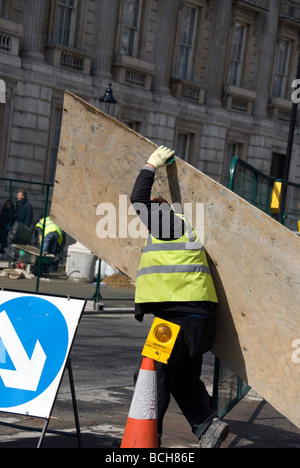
(255, 260)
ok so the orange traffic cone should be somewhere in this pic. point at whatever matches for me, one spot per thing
(141, 426)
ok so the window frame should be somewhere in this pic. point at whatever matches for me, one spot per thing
(232, 148)
(4, 9)
(283, 76)
(237, 79)
(187, 47)
(182, 153)
(60, 5)
(134, 29)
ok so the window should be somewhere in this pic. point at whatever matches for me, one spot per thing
(236, 54)
(65, 22)
(132, 124)
(182, 145)
(186, 43)
(3, 8)
(55, 144)
(282, 68)
(130, 27)
(277, 165)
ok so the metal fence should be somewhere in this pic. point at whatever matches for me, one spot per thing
(228, 388)
(251, 184)
(289, 213)
(261, 190)
(38, 195)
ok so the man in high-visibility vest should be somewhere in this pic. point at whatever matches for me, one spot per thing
(52, 235)
(175, 284)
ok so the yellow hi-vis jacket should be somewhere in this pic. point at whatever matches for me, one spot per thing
(50, 227)
(174, 271)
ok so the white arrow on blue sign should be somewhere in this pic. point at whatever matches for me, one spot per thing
(36, 333)
(27, 372)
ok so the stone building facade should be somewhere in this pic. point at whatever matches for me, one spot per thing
(210, 78)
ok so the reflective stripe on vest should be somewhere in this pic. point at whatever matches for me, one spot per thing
(174, 270)
(190, 245)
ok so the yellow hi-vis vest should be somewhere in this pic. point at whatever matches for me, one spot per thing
(174, 271)
(50, 227)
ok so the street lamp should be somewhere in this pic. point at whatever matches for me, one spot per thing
(108, 99)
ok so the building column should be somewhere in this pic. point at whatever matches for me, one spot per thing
(164, 44)
(106, 22)
(219, 42)
(33, 42)
(265, 67)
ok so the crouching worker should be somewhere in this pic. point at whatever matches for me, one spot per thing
(175, 284)
(52, 235)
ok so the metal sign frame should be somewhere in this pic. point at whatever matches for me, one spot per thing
(66, 362)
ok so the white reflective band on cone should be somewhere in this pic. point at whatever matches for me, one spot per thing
(144, 401)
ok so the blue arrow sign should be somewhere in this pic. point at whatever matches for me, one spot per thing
(34, 341)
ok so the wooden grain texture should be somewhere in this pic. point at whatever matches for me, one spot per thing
(255, 260)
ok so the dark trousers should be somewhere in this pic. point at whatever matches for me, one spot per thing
(3, 239)
(50, 242)
(181, 376)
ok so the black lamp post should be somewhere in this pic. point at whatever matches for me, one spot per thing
(108, 99)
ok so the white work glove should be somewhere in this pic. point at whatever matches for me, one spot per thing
(161, 157)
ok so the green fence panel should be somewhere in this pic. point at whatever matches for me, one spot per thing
(42, 189)
(251, 184)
